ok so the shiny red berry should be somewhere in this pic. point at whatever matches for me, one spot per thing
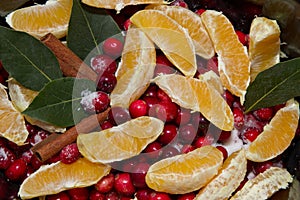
(118, 115)
(112, 47)
(17, 170)
(159, 196)
(242, 37)
(166, 111)
(139, 174)
(105, 184)
(263, 114)
(183, 117)
(188, 196)
(138, 108)
(123, 184)
(106, 82)
(59, 196)
(103, 64)
(239, 117)
(96, 195)
(251, 133)
(168, 134)
(200, 11)
(95, 102)
(127, 24)
(79, 193)
(143, 194)
(187, 133)
(153, 150)
(69, 153)
(6, 157)
(224, 135)
(106, 124)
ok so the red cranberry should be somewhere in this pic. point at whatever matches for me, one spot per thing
(163, 69)
(143, 194)
(183, 117)
(225, 135)
(106, 124)
(6, 157)
(119, 115)
(138, 108)
(187, 148)
(151, 91)
(112, 47)
(79, 193)
(106, 82)
(159, 196)
(123, 184)
(212, 64)
(168, 134)
(59, 196)
(261, 167)
(224, 151)
(27, 155)
(203, 141)
(238, 115)
(165, 111)
(228, 97)
(162, 96)
(180, 3)
(188, 196)
(153, 150)
(127, 24)
(35, 162)
(95, 102)
(263, 114)
(242, 37)
(103, 64)
(198, 120)
(161, 59)
(38, 137)
(200, 11)
(169, 151)
(251, 133)
(69, 153)
(187, 133)
(17, 170)
(112, 196)
(31, 129)
(96, 195)
(105, 184)
(151, 102)
(139, 174)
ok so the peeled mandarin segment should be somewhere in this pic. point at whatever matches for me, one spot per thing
(21, 98)
(14, 128)
(185, 173)
(234, 65)
(228, 179)
(170, 37)
(264, 46)
(138, 60)
(193, 23)
(57, 177)
(265, 184)
(189, 93)
(119, 4)
(38, 20)
(120, 142)
(277, 135)
(212, 79)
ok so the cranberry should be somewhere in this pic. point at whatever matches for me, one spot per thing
(263, 166)
(31, 129)
(200, 11)
(159, 196)
(35, 162)
(119, 115)
(151, 102)
(59, 196)
(163, 69)
(212, 64)
(69, 153)
(38, 137)
(17, 170)
(112, 47)
(143, 194)
(162, 96)
(112, 196)
(96, 195)
(168, 134)
(169, 151)
(188, 196)
(127, 24)
(6, 157)
(225, 135)
(187, 148)
(198, 120)
(242, 37)
(203, 141)
(105, 184)
(180, 3)
(187, 133)
(106, 82)
(151, 91)
(79, 193)
(238, 115)
(138, 108)
(251, 133)
(224, 151)
(183, 117)
(153, 150)
(228, 97)
(165, 111)
(27, 155)
(161, 59)
(103, 64)
(263, 114)
(139, 174)
(106, 124)
(123, 184)
(95, 102)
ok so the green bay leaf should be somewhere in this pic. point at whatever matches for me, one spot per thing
(58, 103)
(88, 27)
(274, 86)
(27, 60)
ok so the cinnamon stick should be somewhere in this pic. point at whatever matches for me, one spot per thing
(70, 64)
(55, 142)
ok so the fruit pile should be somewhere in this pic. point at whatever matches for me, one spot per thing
(176, 83)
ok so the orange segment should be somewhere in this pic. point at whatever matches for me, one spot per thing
(265, 184)
(38, 20)
(119, 4)
(228, 179)
(138, 60)
(12, 125)
(193, 23)
(264, 46)
(120, 142)
(234, 65)
(277, 135)
(189, 93)
(212, 79)
(170, 37)
(57, 177)
(185, 173)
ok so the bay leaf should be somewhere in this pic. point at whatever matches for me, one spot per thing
(58, 103)
(274, 86)
(88, 27)
(27, 60)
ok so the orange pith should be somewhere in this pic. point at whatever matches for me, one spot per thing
(170, 37)
(234, 65)
(185, 173)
